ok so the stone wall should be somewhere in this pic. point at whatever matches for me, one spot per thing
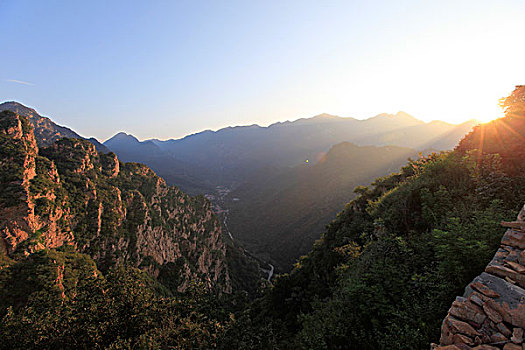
(491, 313)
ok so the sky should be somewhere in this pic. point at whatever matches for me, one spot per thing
(165, 69)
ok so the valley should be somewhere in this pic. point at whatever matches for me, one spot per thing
(277, 203)
(219, 200)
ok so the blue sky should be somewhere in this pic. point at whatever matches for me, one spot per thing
(168, 68)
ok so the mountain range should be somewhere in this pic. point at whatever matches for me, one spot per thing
(98, 253)
(229, 156)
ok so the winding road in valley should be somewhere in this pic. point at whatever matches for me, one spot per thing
(270, 271)
(226, 226)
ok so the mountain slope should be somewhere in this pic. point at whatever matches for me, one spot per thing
(278, 215)
(46, 131)
(192, 178)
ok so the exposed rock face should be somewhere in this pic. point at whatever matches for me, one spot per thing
(491, 313)
(20, 220)
(118, 213)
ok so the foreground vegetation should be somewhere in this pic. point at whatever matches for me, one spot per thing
(84, 309)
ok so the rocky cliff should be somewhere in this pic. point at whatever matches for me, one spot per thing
(491, 313)
(21, 224)
(118, 213)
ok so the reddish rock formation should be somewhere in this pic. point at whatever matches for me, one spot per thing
(18, 220)
(120, 213)
(491, 313)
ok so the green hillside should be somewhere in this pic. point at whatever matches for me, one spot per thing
(386, 270)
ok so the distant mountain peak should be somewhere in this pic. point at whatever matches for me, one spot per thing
(407, 117)
(318, 119)
(124, 144)
(122, 136)
(402, 114)
(472, 122)
(438, 122)
(326, 115)
(400, 117)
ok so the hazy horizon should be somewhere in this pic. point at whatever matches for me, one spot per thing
(276, 122)
(236, 126)
(169, 70)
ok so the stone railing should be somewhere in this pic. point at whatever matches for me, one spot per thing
(491, 313)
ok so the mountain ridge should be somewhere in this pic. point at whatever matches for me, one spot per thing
(323, 117)
(231, 155)
(46, 130)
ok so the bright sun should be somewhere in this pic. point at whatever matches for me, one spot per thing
(489, 119)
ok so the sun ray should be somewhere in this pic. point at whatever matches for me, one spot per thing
(497, 134)
(481, 141)
(509, 128)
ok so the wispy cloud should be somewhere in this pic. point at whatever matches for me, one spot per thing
(20, 82)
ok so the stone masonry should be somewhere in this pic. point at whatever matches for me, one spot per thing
(491, 313)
